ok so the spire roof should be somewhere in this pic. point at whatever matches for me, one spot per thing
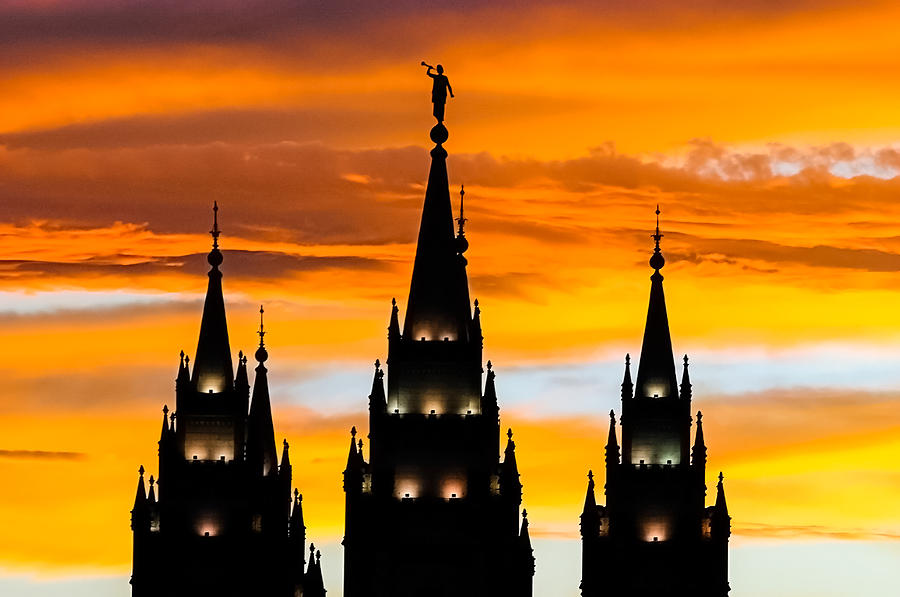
(627, 384)
(438, 304)
(656, 373)
(721, 506)
(213, 369)
(261, 451)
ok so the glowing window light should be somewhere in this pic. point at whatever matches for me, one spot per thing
(655, 530)
(453, 488)
(407, 488)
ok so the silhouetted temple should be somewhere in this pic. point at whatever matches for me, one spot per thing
(434, 511)
(655, 535)
(220, 518)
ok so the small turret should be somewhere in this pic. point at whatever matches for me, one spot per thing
(627, 385)
(721, 506)
(526, 553)
(612, 444)
(151, 497)
(165, 423)
(377, 400)
(241, 380)
(489, 407)
(476, 324)
(285, 468)
(590, 519)
(698, 453)
(685, 381)
(510, 485)
(140, 514)
(353, 455)
(183, 379)
(314, 584)
(394, 326)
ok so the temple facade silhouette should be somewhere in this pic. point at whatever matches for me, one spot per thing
(220, 518)
(655, 535)
(434, 511)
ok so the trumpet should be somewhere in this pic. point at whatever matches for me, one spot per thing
(426, 64)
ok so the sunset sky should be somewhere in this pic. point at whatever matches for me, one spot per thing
(768, 132)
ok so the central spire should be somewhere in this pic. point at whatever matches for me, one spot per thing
(438, 305)
(213, 370)
(656, 372)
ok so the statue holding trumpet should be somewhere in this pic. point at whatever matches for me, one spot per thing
(438, 90)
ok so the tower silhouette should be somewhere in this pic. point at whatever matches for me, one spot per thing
(434, 511)
(655, 535)
(220, 518)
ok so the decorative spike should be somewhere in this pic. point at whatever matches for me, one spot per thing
(612, 444)
(151, 497)
(165, 423)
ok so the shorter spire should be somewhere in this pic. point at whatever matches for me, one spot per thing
(165, 423)
(377, 400)
(698, 453)
(721, 506)
(627, 385)
(509, 478)
(612, 444)
(151, 498)
(353, 455)
(241, 379)
(685, 381)
(140, 498)
(285, 457)
(590, 501)
(394, 325)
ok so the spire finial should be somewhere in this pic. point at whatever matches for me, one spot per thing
(590, 475)
(353, 431)
(462, 244)
(377, 364)
(462, 218)
(721, 477)
(509, 433)
(612, 415)
(489, 366)
(699, 416)
(141, 470)
(657, 261)
(261, 353)
(215, 256)
(524, 513)
(215, 231)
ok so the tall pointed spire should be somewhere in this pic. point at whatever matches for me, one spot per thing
(261, 451)
(438, 304)
(394, 326)
(213, 369)
(656, 373)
